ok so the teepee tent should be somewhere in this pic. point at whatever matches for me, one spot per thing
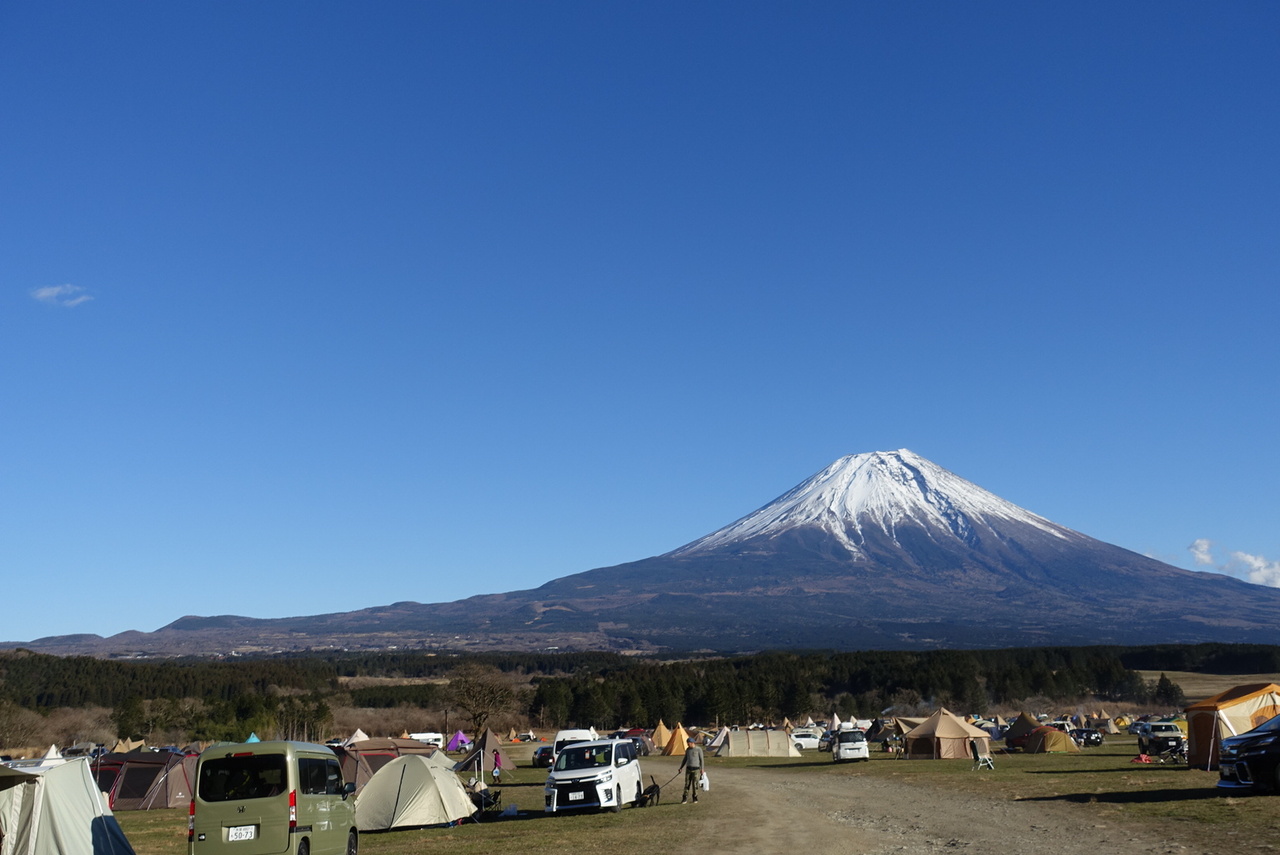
(411, 791)
(661, 734)
(676, 743)
(56, 810)
(1024, 725)
(944, 736)
(458, 742)
(480, 761)
(1228, 713)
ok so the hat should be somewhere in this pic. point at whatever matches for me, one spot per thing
(691, 739)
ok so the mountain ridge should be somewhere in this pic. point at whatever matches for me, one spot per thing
(876, 550)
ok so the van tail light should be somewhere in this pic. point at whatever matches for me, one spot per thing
(293, 810)
(191, 822)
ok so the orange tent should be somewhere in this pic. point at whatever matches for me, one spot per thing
(1225, 714)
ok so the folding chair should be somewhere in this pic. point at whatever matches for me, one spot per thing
(980, 760)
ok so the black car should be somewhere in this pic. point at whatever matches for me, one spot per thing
(1087, 737)
(1252, 759)
(543, 756)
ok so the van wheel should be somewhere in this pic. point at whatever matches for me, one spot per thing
(304, 848)
(353, 843)
(617, 800)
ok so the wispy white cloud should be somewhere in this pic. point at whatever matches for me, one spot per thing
(61, 295)
(1199, 550)
(1258, 570)
(1242, 565)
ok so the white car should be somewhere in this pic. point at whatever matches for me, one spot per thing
(849, 745)
(604, 774)
(806, 739)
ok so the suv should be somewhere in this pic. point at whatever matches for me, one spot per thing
(1157, 737)
(1252, 759)
(604, 773)
(271, 797)
(806, 737)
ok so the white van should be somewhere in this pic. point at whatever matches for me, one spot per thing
(436, 739)
(568, 737)
(604, 773)
(850, 744)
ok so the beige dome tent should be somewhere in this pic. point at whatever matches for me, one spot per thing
(944, 736)
(56, 810)
(1225, 714)
(1050, 740)
(409, 792)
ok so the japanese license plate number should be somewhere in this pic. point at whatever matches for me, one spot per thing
(241, 832)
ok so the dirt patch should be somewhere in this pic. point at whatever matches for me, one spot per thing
(777, 810)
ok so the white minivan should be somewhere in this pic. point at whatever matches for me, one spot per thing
(850, 744)
(604, 773)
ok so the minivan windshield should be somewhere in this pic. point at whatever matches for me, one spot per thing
(245, 776)
(847, 736)
(586, 757)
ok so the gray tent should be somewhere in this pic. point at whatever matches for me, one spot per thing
(411, 791)
(56, 811)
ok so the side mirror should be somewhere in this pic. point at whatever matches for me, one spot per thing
(348, 788)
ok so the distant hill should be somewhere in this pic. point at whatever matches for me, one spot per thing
(884, 550)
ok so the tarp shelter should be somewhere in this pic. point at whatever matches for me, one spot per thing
(676, 743)
(56, 811)
(480, 761)
(1050, 740)
(458, 742)
(1228, 713)
(409, 792)
(124, 746)
(145, 780)
(718, 739)
(361, 760)
(902, 725)
(944, 736)
(661, 734)
(756, 743)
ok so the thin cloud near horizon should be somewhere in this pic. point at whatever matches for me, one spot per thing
(61, 295)
(1242, 565)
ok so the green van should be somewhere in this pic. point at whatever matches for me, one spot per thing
(264, 798)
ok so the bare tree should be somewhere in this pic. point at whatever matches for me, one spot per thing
(480, 692)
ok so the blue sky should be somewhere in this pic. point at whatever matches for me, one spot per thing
(310, 306)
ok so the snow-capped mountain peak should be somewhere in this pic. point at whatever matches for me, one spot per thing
(880, 489)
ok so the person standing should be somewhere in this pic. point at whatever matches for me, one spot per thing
(692, 766)
(497, 766)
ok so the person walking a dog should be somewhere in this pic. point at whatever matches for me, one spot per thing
(692, 766)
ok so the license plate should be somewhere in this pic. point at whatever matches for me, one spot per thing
(576, 797)
(241, 832)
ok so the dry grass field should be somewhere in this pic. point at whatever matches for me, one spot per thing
(1082, 804)
(1197, 687)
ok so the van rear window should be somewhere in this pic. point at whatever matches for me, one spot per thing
(256, 776)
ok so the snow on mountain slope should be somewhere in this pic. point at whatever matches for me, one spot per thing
(880, 489)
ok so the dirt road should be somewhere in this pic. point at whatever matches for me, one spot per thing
(776, 810)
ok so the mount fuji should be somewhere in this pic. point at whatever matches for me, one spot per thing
(878, 550)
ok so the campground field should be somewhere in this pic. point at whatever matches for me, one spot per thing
(1081, 804)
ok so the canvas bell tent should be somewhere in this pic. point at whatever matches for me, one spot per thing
(944, 736)
(56, 811)
(1229, 713)
(410, 792)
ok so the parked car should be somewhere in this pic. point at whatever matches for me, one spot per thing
(1158, 737)
(604, 773)
(806, 738)
(1252, 759)
(1087, 737)
(850, 745)
(544, 756)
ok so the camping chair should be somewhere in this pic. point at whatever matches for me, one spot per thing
(980, 760)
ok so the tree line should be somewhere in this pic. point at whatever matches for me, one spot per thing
(295, 695)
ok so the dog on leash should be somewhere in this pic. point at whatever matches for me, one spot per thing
(652, 794)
